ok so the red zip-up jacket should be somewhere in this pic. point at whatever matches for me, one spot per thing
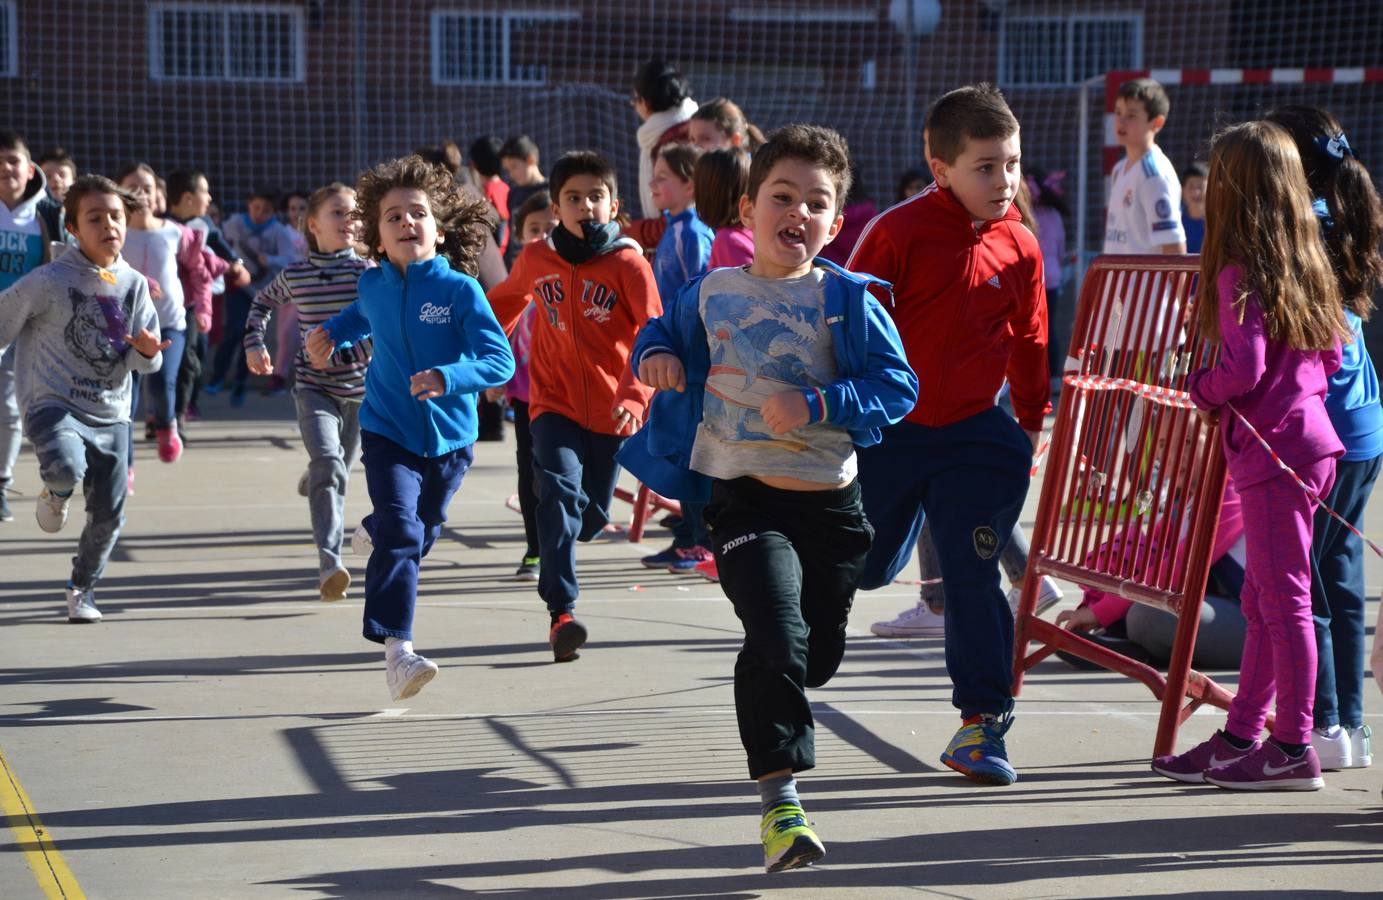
(587, 319)
(969, 303)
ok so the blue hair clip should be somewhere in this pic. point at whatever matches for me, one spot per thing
(1322, 211)
(1337, 146)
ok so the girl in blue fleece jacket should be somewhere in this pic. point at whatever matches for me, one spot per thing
(436, 345)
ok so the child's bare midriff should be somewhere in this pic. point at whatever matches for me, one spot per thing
(786, 483)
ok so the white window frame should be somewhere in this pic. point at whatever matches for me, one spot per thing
(295, 17)
(1069, 23)
(507, 17)
(9, 11)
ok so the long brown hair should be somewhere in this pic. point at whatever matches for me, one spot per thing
(1355, 224)
(1258, 217)
(729, 119)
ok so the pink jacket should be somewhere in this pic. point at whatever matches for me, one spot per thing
(198, 269)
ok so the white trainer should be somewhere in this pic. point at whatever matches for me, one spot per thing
(81, 606)
(334, 583)
(1048, 594)
(1360, 746)
(407, 673)
(1332, 747)
(918, 621)
(361, 542)
(51, 511)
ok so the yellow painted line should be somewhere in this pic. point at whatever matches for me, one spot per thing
(54, 878)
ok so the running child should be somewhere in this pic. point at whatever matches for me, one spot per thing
(594, 290)
(683, 253)
(533, 221)
(1268, 295)
(436, 345)
(968, 282)
(1351, 216)
(768, 378)
(327, 398)
(78, 326)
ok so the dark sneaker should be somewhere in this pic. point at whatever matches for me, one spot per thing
(527, 570)
(977, 750)
(1191, 766)
(661, 559)
(1269, 768)
(566, 636)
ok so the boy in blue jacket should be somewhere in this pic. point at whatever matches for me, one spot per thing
(436, 345)
(769, 376)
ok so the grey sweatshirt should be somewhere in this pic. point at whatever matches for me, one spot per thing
(68, 323)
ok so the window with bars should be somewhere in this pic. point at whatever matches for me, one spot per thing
(1066, 50)
(206, 42)
(478, 48)
(9, 40)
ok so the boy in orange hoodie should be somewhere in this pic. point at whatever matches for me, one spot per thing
(594, 291)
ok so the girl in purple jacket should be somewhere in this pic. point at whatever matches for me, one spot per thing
(1268, 294)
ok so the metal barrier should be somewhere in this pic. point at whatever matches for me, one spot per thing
(1131, 498)
(644, 502)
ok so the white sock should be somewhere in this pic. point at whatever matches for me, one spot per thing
(396, 647)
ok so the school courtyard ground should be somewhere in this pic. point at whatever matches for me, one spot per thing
(223, 734)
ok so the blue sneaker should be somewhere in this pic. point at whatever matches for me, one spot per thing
(661, 559)
(977, 750)
(212, 388)
(238, 395)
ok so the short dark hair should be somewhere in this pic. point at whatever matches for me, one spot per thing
(520, 146)
(57, 155)
(182, 181)
(463, 221)
(974, 112)
(265, 193)
(660, 85)
(536, 202)
(812, 144)
(129, 168)
(94, 184)
(680, 158)
(484, 155)
(12, 140)
(1152, 95)
(582, 162)
(721, 179)
(1195, 169)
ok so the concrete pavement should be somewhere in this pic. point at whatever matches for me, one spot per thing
(224, 734)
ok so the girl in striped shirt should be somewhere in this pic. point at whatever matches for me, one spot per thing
(327, 398)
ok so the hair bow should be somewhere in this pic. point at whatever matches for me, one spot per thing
(1337, 146)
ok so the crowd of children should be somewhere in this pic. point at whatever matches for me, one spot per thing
(817, 421)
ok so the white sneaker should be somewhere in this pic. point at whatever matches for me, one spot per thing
(1360, 746)
(1048, 593)
(919, 621)
(334, 583)
(303, 485)
(81, 606)
(1332, 747)
(407, 673)
(51, 511)
(361, 542)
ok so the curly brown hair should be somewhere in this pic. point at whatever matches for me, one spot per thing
(464, 222)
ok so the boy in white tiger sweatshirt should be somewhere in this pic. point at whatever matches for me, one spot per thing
(79, 326)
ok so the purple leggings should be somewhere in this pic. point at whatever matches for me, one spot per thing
(1280, 638)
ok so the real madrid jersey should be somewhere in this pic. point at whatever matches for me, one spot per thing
(1144, 206)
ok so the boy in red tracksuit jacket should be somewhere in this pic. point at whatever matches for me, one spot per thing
(967, 283)
(594, 291)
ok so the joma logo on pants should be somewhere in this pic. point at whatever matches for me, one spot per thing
(742, 539)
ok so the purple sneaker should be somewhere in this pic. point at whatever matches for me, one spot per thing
(1192, 765)
(1269, 768)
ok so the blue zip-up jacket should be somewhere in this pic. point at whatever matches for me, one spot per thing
(684, 252)
(435, 318)
(1351, 398)
(876, 386)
